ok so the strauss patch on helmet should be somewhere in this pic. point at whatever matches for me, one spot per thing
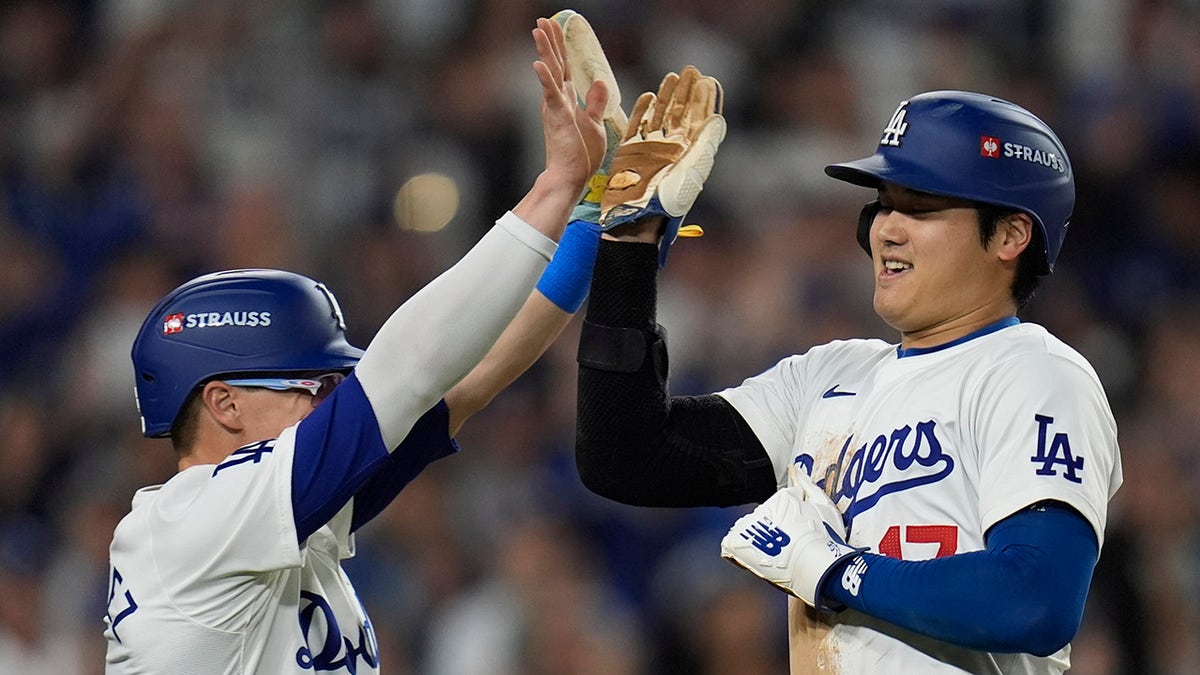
(1028, 154)
(176, 323)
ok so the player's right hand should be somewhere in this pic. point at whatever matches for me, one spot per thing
(573, 130)
(793, 540)
(666, 154)
(588, 64)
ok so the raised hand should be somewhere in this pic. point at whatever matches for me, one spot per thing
(587, 62)
(574, 134)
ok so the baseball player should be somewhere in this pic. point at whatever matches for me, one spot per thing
(934, 505)
(289, 439)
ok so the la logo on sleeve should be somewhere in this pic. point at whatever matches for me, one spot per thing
(1057, 454)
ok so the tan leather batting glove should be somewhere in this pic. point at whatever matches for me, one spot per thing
(666, 154)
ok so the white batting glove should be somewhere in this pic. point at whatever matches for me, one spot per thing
(792, 540)
(588, 64)
(666, 155)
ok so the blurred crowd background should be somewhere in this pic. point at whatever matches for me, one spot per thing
(370, 143)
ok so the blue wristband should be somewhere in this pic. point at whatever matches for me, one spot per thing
(569, 275)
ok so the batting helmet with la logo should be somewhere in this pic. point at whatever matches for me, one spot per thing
(976, 147)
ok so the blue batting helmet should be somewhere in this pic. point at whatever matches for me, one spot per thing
(239, 321)
(976, 147)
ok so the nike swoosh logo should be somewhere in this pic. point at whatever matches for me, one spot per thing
(833, 392)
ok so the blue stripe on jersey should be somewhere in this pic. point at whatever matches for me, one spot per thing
(340, 449)
(1025, 593)
(429, 440)
(990, 328)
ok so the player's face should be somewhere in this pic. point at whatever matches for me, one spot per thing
(273, 404)
(934, 280)
(268, 412)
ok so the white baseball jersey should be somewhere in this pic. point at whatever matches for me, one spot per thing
(924, 450)
(208, 577)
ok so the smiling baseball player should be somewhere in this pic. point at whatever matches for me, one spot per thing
(934, 505)
(289, 439)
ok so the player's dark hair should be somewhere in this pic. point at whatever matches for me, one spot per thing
(183, 428)
(1026, 281)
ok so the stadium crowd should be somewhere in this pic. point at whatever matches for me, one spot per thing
(143, 142)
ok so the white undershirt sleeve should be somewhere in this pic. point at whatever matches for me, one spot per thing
(436, 337)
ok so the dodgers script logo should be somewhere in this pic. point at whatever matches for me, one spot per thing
(336, 650)
(857, 476)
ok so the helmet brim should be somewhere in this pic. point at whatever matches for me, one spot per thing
(873, 171)
(866, 172)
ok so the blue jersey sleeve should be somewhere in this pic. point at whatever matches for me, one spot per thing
(1024, 593)
(340, 454)
(428, 441)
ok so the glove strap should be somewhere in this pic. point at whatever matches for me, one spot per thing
(846, 556)
(623, 214)
(620, 350)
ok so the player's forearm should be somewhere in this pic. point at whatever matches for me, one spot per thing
(529, 335)
(1025, 593)
(634, 443)
(560, 293)
(436, 337)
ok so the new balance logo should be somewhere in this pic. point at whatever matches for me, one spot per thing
(766, 537)
(832, 392)
(852, 577)
(896, 127)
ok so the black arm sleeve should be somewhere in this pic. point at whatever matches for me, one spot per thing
(634, 442)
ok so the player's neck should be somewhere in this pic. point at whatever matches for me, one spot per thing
(955, 329)
(208, 451)
(200, 458)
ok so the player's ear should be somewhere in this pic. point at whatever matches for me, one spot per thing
(1013, 235)
(221, 403)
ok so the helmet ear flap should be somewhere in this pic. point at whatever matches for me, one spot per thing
(865, 218)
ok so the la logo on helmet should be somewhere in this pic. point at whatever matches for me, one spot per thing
(896, 126)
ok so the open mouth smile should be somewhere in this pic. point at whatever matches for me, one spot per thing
(894, 268)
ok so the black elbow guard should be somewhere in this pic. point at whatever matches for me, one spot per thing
(622, 350)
